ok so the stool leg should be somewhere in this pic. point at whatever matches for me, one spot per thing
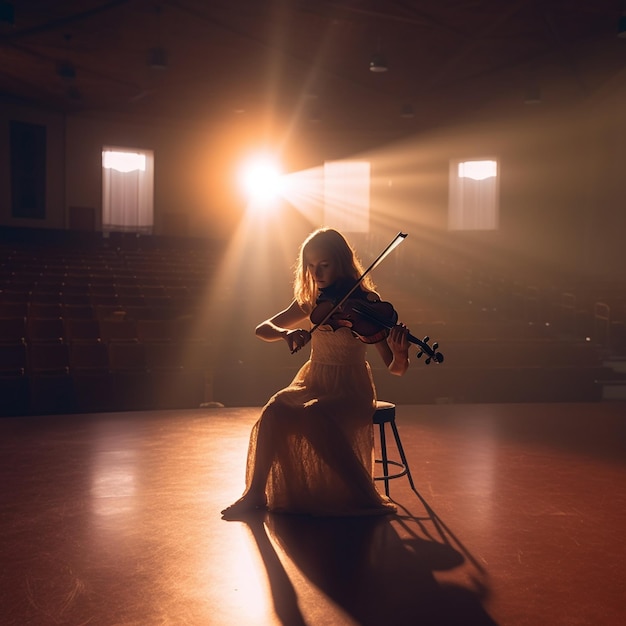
(383, 450)
(396, 435)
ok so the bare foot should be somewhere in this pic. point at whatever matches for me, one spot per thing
(245, 506)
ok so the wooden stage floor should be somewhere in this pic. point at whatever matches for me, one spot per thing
(519, 518)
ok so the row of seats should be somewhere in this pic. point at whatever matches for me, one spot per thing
(102, 254)
(73, 329)
(88, 376)
(91, 391)
(136, 315)
(474, 302)
(41, 357)
(597, 315)
(147, 309)
(102, 330)
(43, 277)
(21, 288)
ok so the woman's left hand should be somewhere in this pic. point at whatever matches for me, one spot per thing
(398, 344)
(395, 350)
(398, 339)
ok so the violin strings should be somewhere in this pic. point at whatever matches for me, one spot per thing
(366, 310)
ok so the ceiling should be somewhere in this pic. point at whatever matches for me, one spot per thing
(307, 60)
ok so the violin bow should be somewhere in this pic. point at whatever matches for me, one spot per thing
(395, 242)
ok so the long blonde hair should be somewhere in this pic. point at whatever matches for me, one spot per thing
(336, 246)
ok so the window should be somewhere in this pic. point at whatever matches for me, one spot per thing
(28, 170)
(473, 201)
(347, 195)
(127, 190)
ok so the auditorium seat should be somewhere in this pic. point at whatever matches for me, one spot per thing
(45, 297)
(14, 380)
(51, 386)
(118, 330)
(48, 357)
(132, 381)
(69, 298)
(49, 310)
(12, 329)
(78, 311)
(98, 299)
(45, 329)
(89, 356)
(137, 313)
(13, 309)
(13, 358)
(81, 329)
(156, 330)
(11, 294)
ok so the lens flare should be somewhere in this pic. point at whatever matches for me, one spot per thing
(261, 179)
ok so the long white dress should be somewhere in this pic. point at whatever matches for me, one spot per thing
(319, 434)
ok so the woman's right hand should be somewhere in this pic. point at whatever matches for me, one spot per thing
(297, 339)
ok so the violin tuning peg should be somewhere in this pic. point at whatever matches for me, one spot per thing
(435, 345)
(428, 361)
(419, 354)
(426, 339)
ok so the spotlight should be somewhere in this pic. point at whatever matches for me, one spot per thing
(261, 178)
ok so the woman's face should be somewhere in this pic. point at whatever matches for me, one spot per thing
(322, 267)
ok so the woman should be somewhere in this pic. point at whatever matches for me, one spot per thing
(311, 451)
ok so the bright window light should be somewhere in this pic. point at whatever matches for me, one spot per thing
(478, 170)
(124, 161)
(127, 190)
(473, 199)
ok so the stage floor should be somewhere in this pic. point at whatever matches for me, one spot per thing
(518, 518)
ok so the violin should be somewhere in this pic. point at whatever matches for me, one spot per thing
(369, 320)
(344, 304)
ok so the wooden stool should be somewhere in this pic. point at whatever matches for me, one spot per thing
(385, 413)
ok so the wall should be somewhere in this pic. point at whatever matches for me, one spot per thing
(561, 177)
(561, 171)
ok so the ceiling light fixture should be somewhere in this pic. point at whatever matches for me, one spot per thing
(533, 95)
(378, 62)
(407, 111)
(157, 58)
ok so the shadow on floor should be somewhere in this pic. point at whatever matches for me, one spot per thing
(373, 572)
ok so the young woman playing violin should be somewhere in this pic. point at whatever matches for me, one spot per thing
(311, 451)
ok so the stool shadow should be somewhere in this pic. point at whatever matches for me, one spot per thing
(367, 569)
(445, 534)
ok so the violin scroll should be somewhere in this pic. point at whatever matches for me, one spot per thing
(432, 353)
